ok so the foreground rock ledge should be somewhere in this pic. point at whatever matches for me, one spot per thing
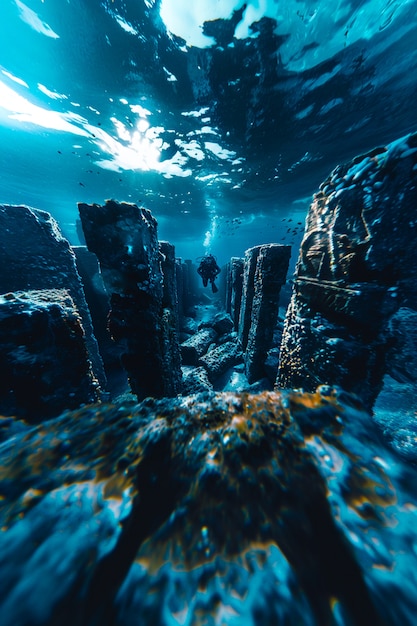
(216, 508)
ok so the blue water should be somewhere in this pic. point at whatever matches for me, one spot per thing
(222, 118)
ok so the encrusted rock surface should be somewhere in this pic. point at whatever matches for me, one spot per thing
(357, 266)
(34, 255)
(44, 361)
(221, 322)
(216, 508)
(270, 274)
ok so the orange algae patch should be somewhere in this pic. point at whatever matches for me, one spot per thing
(116, 485)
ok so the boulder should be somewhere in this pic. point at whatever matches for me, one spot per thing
(218, 360)
(277, 508)
(44, 361)
(195, 380)
(402, 356)
(197, 345)
(270, 273)
(221, 322)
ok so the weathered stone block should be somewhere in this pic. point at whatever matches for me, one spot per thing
(34, 255)
(44, 361)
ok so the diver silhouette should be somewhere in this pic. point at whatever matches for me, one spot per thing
(208, 270)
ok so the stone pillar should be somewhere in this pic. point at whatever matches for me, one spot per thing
(357, 266)
(99, 306)
(249, 267)
(34, 256)
(170, 347)
(179, 279)
(124, 238)
(236, 277)
(227, 269)
(270, 274)
(188, 281)
(169, 296)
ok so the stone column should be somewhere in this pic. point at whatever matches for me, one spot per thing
(357, 267)
(270, 274)
(170, 347)
(236, 277)
(227, 269)
(188, 281)
(124, 238)
(249, 268)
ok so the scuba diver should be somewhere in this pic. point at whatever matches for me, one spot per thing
(208, 270)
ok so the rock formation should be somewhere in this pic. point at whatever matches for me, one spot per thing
(226, 286)
(124, 238)
(249, 269)
(357, 266)
(265, 271)
(44, 361)
(34, 255)
(228, 508)
(402, 354)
